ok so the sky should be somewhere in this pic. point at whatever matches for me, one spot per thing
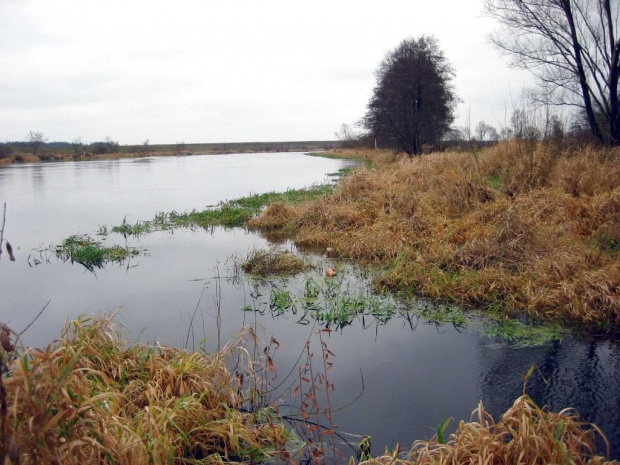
(228, 70)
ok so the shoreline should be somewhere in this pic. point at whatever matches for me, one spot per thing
(517, 230)
(11, 160)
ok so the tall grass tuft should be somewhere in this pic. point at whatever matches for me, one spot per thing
(91, 399)
(273, 262)
(525, 434)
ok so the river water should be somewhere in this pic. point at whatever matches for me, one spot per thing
(396, 378)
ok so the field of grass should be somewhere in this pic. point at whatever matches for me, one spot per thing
(518, 228)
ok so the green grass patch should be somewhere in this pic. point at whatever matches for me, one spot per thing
(230, 214)
(525, 335)
(342, 172)
(444, 314)
(607, 243)
(90, 253)
(495, 182)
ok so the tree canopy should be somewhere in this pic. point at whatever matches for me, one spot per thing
(573, 48)
(413, 102)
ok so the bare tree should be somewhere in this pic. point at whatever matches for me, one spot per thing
(505, 133)
(347, 136)
(346, 133)
(486, 132)
(573, 48)
(413, 102)
(36, 140)
(454, 134)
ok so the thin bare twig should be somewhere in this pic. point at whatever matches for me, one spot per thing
(35, 318)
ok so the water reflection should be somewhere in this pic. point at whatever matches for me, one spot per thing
(414, 372)
(583, 375)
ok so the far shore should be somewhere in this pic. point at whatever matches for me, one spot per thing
(49, 154)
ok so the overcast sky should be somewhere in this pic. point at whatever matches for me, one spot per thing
(226, 70)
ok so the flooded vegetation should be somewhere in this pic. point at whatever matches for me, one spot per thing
(339, 360)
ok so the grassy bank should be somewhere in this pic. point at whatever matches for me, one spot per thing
(517, 229)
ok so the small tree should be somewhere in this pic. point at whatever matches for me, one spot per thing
(347, 136)
(111, 145)
(413, 102)
(107, 146)
(505, 133)
(78, 146)
(486, 132)
(36, 140)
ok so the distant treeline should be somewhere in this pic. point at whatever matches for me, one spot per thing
(109, 146)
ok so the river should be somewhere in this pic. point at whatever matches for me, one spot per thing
(401, 375)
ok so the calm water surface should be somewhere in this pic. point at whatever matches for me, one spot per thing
(412, 373)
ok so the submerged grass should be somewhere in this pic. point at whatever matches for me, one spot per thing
(525, 335)
(516, 229)
(92, 399)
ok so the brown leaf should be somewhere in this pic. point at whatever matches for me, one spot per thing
(5, 338)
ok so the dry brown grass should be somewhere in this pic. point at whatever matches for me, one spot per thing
(379, 157)
(273, 262)
(526, 434)
(90, 399)
(515, 228)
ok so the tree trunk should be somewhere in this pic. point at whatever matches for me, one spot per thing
(583, 82)
(614, 75)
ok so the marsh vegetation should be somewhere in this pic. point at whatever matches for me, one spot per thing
(520, 228)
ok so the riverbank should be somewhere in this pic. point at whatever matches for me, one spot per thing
(518, 229)
(92, 398)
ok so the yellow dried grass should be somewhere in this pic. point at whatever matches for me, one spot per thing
(526, 434)
(89, 399)
(518, 227)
